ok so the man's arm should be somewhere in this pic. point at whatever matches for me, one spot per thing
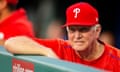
(25, 45)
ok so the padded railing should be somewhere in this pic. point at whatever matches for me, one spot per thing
(29, 63)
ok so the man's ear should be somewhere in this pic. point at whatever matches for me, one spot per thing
(3, 4)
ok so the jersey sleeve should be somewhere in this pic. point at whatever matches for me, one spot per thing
(50, 43)
(60, 47)
(114, 54)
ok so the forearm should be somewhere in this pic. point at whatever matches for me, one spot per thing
(24, 45)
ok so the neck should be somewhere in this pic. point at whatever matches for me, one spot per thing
(4, 14)
(91, 53)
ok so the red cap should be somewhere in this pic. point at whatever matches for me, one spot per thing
(81, 14)
(14, 2)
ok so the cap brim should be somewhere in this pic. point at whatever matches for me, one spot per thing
(77, 25)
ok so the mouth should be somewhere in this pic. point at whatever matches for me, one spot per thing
(79, 42)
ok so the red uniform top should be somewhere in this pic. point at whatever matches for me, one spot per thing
(110, 60)
(16, 24)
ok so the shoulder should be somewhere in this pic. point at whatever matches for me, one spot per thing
(113, 50)
(20, 17)
(22, 21)
(23, 24)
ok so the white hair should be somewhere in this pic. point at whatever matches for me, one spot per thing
(94, 27)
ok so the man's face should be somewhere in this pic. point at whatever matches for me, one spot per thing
(81, 37)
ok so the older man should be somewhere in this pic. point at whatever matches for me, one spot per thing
(83, 45)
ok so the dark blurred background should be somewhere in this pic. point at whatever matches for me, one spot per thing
(42, 12)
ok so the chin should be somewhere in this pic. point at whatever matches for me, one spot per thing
(79, 48)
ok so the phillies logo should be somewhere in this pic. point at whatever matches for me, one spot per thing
(76, 11)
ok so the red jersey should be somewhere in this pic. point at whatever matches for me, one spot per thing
(110, 60)
(16, 24)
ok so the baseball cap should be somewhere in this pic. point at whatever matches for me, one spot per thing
(82, 14)
(14, 2)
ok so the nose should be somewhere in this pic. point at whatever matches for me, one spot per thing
(78, 35)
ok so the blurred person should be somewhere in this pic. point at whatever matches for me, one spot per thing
(83, 45)
(108, 37)
(54, 30)
(13, 22)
